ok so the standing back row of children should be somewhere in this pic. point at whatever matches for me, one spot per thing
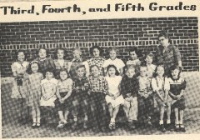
(69, 86)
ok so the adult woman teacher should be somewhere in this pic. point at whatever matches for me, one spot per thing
(19, 88)
(167, 54)
(96, 59)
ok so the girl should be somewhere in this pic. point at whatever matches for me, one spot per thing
(60, 62)
(98, 90)
(48, 92)
(150, 66)
(63, 101)
(134, 60)
(161, 88)
(44, 62)
(96, 59)
(80, 96)
(19, 89)
(34, 80)
(176, 92)
(114, 61)
(114, 99)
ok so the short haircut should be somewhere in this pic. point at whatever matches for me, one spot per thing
(150, 54)
(96, 47)
(129, 67)
(51, 71)
(112, 49)
(91, 67)
(80, 66)
(133, 49)
(164, 34)
(65, 70)
(42, 48)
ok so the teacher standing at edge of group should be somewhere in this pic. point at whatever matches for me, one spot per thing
(167, 54)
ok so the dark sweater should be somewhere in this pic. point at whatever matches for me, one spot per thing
(129, 85)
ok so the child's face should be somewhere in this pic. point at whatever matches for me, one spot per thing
(163, 41)
(95, 71)
(111, 71)
(60, 54)
(113, 54)
(133, 55)
(130, 72)
(63, 75)
(49, 75)
(160, 71)
(42, 53)
(143, 71)
(21, 56)
(81, 72)
(76, 54)
(175, 73)
(34, 67)
(149, 59)
(96, 52)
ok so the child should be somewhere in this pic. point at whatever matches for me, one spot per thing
(98, 90)
(114, 99)
(60, 62)
(76, 61)
(63, 101)
(150, 67)
(44, 62)
(48, 92)
(19, 88)
(80, 96)
(145, 97)
(113, 60)
(134, 60)
(161, 88)
(129, 89)
(34, 80)
(176, 92)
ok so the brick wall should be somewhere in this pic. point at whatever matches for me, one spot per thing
(121, 33)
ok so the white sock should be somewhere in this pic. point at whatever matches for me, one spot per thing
(177, 122)
(161, 122)
(112, 120)
(168, 121)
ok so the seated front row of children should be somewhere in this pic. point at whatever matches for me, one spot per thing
(94, 95)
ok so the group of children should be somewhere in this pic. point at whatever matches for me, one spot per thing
(77, 87)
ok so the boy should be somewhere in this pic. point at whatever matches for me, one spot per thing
(129, 89)
(80, 96)
(150, 67)
(145, 96)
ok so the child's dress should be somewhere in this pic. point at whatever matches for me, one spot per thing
(35, 91)
(160, 85)
(64, 87)
(48, 87)
(19, 69)
(113, 88)
(118, 63)
(176, 86)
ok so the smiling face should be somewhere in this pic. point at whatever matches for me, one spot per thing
(80, 72)
(111, 71)
(143, 71)
(149, 59)
(113, 54)
(21, 56)
(60, 54)
(133, 55)
(130, 72)
(96, 52)
(77, 54)
(163, 41)
(63, 75)
(49, 75)
(95, 71)
(160, 71)
(175, 73)
(34, 67)
(42, 53)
